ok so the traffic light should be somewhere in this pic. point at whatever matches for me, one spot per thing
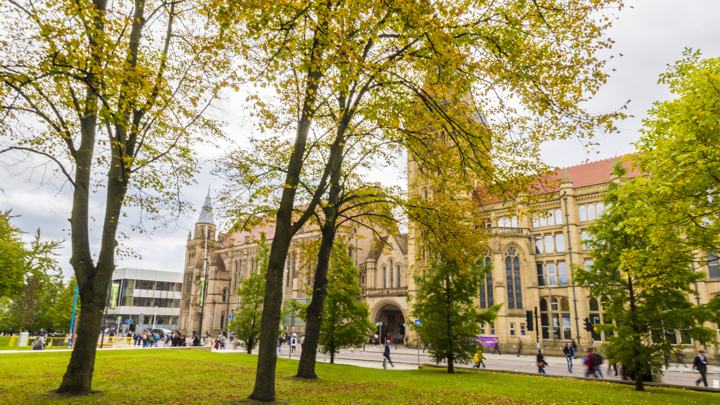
(529, 320)
(588, 325)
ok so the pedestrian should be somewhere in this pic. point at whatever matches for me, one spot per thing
(39, 344)
(519, 346)
(590, 362)
(479, 358)
(700, 364)
(574, 347)
(541, 363)
(293, 342)
(496, 348)
(386, 355)
(569, 356)
(195, 340)
(279, 344)
(597, 362)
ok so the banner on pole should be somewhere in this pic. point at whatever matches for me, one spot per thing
(115, 290)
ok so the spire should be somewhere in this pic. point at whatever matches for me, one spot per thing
(206, 213)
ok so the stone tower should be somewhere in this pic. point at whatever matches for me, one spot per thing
(197, 262)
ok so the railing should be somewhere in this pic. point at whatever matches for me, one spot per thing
(510, 231)
(385, 292)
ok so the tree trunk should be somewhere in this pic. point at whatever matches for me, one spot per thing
(264, 389)
(332, 357)
(249, 346)
(308, 358)
(79, 373)
(639, 385)
(448, 302)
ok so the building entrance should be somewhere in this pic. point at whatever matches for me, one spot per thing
(393, 324)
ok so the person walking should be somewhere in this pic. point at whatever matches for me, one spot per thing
(541, 363)
(293, 342)
(479, 358)
(590, 362)
(279, 344)
(520, 347)
(569, 354)
(700, 364)
(386, 355)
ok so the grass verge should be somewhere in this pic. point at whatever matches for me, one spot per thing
(192, 376)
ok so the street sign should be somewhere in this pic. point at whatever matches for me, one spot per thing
(231, 316)
(418, 322)
(378, 323)
(128, 321)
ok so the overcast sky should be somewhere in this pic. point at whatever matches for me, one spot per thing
(650, 34)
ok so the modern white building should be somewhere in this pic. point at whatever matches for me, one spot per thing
(144, 299)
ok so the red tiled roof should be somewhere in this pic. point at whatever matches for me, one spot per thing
(585, 174)
(591, 173)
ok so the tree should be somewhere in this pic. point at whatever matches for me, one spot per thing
(642, 266)
(113, 95)
(353, 67)
(678, 150)
(12, 258)
(248, 315)
(345, 320)
(41, 280)
(445, 303)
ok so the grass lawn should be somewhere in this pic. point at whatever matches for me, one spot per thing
(182, 376)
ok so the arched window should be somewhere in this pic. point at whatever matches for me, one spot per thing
(384, 276)
(555, 318)
(512, 275)
(486, 288)
(391, 272)
(398, 276)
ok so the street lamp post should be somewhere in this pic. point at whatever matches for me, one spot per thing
(570, 263)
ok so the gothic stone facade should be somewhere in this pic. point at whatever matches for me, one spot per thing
(231, 257)
(532, 249)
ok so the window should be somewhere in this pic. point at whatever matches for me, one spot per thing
(391, 272)
(541, 274)
(539, 244)
(508, 222)
(559, 242)
(591, 212)
(486, 288)
(492, 328)
(522, 329)
(552, 274)
(587, 264)
(512, 274)
(713, 266)
(549, 248)
(562, 273)
(555, 318)
(512, 328)
(224, 296)
(398, 276)
(384, 276)
(585, 239)
(547, 218)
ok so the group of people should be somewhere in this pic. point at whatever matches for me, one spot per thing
(291, 340)
(148, 339)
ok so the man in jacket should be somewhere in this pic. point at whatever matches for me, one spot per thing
(700, 363)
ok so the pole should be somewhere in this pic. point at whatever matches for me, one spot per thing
(570, 265)
(204, 286)
(72, 318)
(537, 330)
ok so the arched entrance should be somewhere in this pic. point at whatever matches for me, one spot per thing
(390, 322)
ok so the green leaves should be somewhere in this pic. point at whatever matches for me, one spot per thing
(445, 302)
